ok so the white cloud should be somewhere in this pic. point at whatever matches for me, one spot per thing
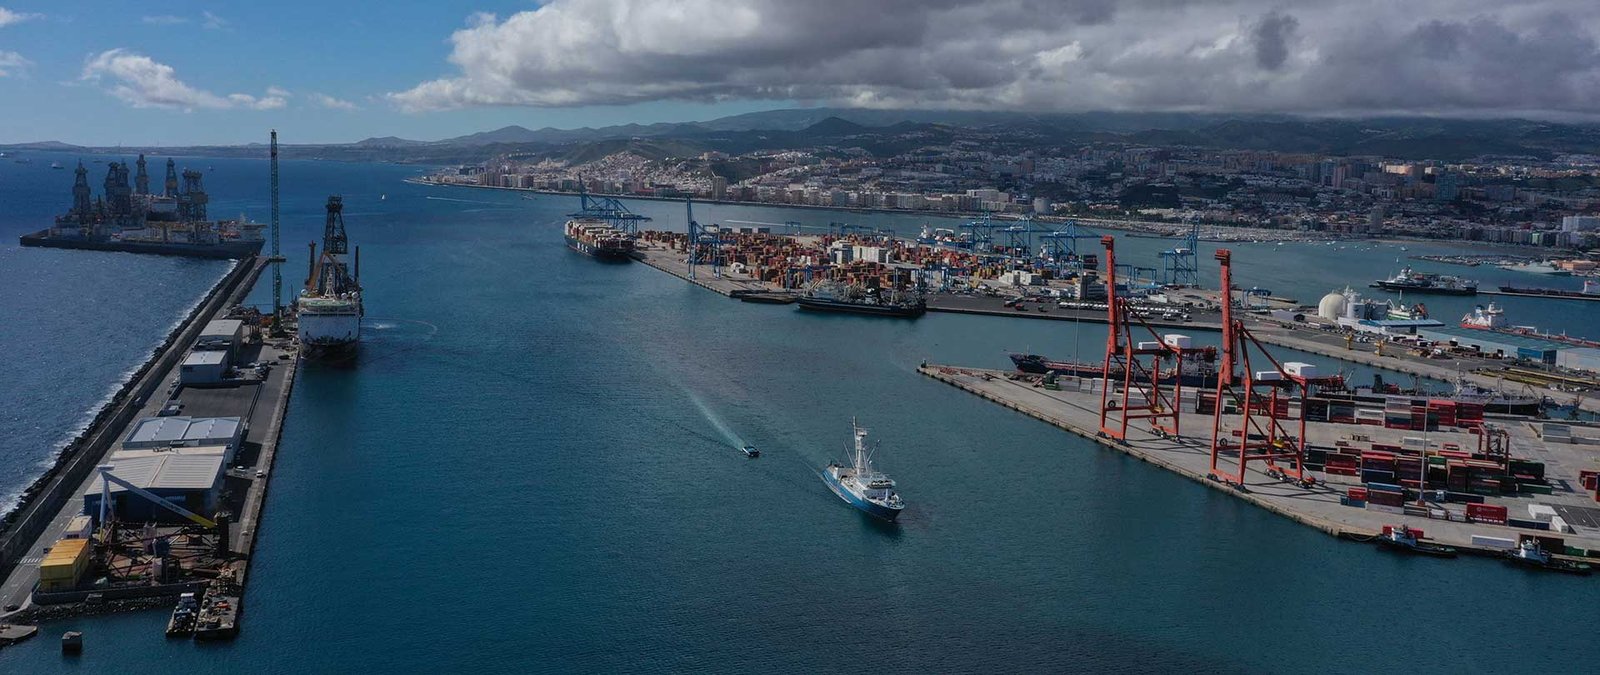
(12, 62)
(1453, 56)
(8, 17)
(143, 82)
(211, 21)
(332, 103)
(164, 20)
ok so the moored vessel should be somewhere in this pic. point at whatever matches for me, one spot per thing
(1201, 372)
(835, 296)
(862, 486)
(1403, 538)
(1492, 318)
(329, 310)
(1419, 282)
(1591, 291)
(1529, 553)
(594, 237)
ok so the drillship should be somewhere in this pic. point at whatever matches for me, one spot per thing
(860, 485)
(329, 309)
(129, 217)
(603, 227)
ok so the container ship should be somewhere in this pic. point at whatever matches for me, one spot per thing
(594, 237)
(862, 486)
(1591, 291)
(602, 228)
(1409, 280)
(834, 296)
(329, 310)
(131, 218)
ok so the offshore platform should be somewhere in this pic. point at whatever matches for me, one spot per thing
(129, 217)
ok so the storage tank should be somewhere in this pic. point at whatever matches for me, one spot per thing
(1332, 306)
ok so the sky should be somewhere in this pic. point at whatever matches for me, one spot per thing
(181, 72)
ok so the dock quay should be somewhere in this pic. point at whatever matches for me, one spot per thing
(672, 262)
(212, 399)
(1074, 407)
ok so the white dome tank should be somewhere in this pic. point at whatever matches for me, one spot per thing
(1332, 306)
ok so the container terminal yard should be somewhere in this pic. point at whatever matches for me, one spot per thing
(159, 501)
(1269, 432)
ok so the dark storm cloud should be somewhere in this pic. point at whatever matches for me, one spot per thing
(1452, 56)
(1271, 36)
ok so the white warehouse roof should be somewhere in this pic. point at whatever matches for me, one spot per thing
(158, 431)
(168, 471)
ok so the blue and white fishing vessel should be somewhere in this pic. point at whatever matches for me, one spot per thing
(862, 486)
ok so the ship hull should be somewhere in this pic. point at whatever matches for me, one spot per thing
(902, 312)
(329, 337)
(223, 251)
(1045, 367)
(599, 252)
(862, 504)
(1424, 290)
(1548, 293)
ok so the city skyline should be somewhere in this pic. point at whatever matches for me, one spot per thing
(196, 73)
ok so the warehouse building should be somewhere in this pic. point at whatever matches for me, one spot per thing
(167, 432)
(224, 335)
(1492, 343)
(188, 479)
(203, 367)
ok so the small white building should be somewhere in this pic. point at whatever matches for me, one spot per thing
(204, 367)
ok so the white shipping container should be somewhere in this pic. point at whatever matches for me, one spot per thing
(1299, 369)
(1268, 376)
(78, 528)
(1493, 542)
(1179, 341)
(1541, 513)
(1149, 344)
(1558, 524)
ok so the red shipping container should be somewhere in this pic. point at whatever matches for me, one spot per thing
(1488, 513)
(1358, 493)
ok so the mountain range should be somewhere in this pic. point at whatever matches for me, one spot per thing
(888, 131)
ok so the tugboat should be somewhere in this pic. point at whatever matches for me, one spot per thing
(183, 616)
(1529, 553)
(1403, 538)
(859, 485)
(750, 451)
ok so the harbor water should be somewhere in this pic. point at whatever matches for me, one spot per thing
(530, 469)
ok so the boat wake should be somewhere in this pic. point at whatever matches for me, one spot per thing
(464, 201)
(716, 422)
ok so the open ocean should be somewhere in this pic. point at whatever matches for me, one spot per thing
(533, 468)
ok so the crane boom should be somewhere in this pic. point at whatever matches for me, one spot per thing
(108, 477)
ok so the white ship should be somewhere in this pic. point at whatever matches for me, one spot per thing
(329, 309)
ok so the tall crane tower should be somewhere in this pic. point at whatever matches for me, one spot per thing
(1180, 263)
(277, 256)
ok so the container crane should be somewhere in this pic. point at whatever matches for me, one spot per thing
(1137, 362)
(1179, 264)
(1270, 404)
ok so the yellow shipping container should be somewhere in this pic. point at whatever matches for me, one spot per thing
(64, 565)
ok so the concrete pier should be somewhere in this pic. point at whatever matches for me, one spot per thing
(672, 262)
(261, 403)
(1075, 408)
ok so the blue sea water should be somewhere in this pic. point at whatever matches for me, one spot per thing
(531, 469)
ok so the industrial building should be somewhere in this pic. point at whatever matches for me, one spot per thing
(202, 368)
(166, 432)
(189, 479)
(1505, 345)
(224, 335)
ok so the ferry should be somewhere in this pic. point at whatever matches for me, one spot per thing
(861, 486)
(1418, 282)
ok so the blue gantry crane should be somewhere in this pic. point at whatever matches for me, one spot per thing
(705, 243)
(1060, 247)
(1179, 264)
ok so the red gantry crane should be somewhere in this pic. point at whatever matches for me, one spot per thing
(1136, 365)
(1269, 403)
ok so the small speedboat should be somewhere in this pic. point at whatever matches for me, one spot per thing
(750, 451)
(1404, 539)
